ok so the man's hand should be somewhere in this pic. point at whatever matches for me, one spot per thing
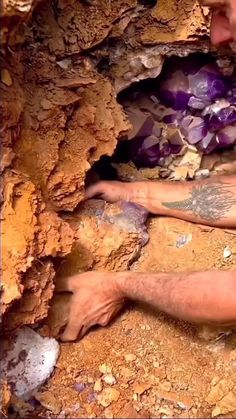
(113, 191)
(110, 191)
(96, 300)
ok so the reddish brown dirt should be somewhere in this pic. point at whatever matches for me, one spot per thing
(65, 118)
(163, 368)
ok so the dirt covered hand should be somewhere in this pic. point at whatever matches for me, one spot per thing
(96, 300)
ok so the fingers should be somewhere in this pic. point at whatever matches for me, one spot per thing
(75, 330)
(83, 331)
(94, 190)
(73, 327)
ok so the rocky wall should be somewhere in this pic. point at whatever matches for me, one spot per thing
(63, 63)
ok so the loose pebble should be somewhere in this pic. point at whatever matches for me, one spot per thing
(65, 64)
(109, 379)
(166, 386)
(79, 387)
(145, 327)
(108, 396)
(6, 77)
(105, 369)
(140, 388)
(130, 357)
(166, 411)
(98, 385)
(227, 252)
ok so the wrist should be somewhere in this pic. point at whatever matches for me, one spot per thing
(140, 193)
(148, 194)
(120, 285)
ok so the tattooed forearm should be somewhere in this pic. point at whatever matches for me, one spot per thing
(209, 201)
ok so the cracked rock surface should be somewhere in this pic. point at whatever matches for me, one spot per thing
(53, 63)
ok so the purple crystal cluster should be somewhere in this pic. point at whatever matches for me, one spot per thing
(192, 102)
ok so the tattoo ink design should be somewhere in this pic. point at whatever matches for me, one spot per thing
(211, 202)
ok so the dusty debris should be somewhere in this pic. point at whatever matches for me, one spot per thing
(169, 352)
(29, 361)
(49, 400)
(63, 124)
(130, 357)
(223, 396)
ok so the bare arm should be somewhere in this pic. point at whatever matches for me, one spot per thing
(201, 297)
(209, 201)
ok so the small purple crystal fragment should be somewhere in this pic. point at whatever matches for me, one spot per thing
(79, 387)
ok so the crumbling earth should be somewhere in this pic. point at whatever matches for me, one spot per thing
(144, 364)
(62, 65)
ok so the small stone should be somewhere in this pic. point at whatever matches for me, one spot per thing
(135, 397)
(109, 379)
(79, 387)
(113, 394)
(183, 239)
(46, 104)
(145, 327)
(227, 252)
(130, 357)
(202, 173)
(6, 77)
(160, 372)
(126, 373)
(98, 385)
(105, 369)
(90, 380)
(215, 412)
(228, 403)
(166, 411)
(140, 388)
(64, 64)
(166, 386)
(108, 396)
